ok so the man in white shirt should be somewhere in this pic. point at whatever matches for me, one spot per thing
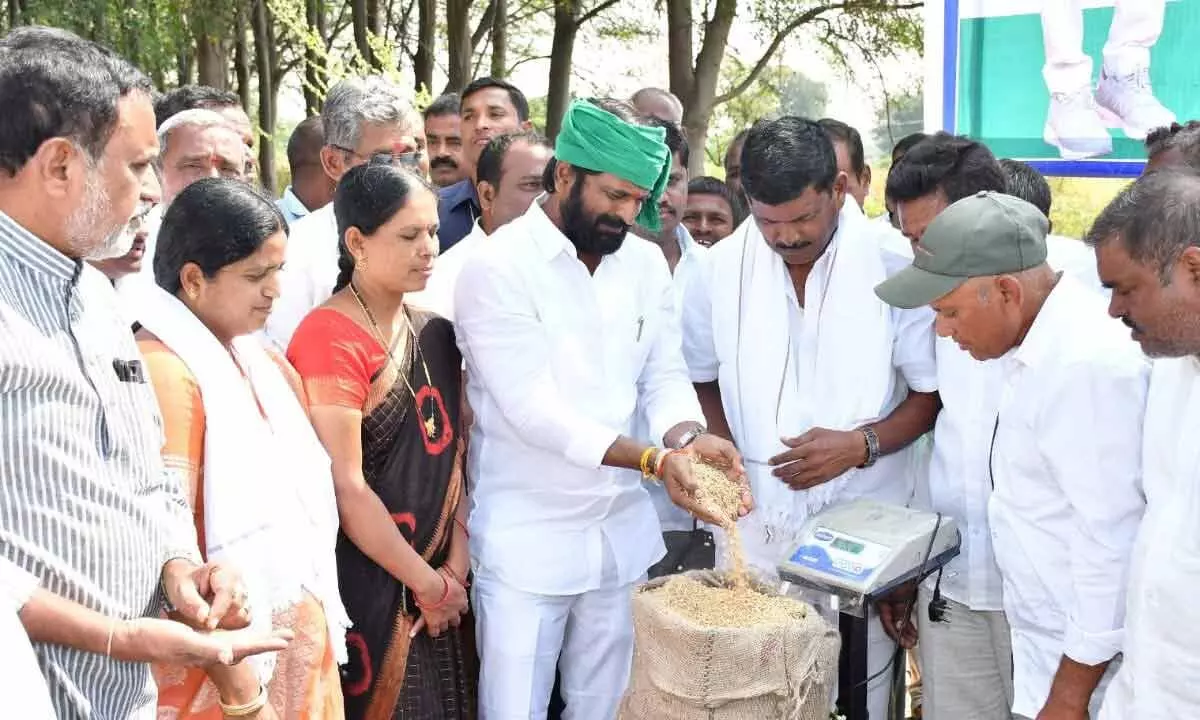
(195, 144)
(565, 325)
(684, 257)
(823, 386)
(1065, 446)
(510, 172)
(966, 656)
(1146, 248)
(366, 119)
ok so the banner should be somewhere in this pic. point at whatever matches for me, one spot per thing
(1073, 86)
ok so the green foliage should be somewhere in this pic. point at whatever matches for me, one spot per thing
(902, 115)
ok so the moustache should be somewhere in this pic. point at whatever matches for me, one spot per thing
(443, 161)
(792, 248)
(612, 224)
(1130, 324)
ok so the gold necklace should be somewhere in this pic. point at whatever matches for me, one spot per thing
(430, 422)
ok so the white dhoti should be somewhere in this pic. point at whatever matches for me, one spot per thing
(1135, 29)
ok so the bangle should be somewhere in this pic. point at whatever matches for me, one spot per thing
(442, 600)
(662, 460)
(463, 525)
(872, 441)
(450, 571)
(247, 709)
(647, 454)
(112, 628)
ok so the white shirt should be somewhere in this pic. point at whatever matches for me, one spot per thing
(691, 258)
(22, 684)
(1158, 677)
(557, 360)
(959, 485)
(309, 273)
(438, 294)
(1067, 499)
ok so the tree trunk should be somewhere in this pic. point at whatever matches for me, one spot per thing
(211, 62)
(566, 27)
(458, 38)
(500, 39)
(265, 64)
(696, 86)
(14, 13)
(361, 20)
(313, 84)
(241, 58)
(423, 58)
(374, 26)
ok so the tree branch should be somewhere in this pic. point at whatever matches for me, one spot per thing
(532, 58)
(591, 14)
(800, 20)
(485, 24)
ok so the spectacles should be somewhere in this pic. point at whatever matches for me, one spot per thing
(410, 159)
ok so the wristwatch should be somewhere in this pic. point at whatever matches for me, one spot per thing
(690, 436)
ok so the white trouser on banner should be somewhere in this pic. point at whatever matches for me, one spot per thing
(1135, 29)
(524, 636)
(966, 663)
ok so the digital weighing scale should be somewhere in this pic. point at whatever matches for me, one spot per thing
(862, 550)
(859, 552)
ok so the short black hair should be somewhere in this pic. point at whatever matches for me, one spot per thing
(708, 185)
(514, 94)
(490, 168)
(676, 141)
(193, 97)
(367, 197)
(304, 146)
(1022, 180)
(1159, 140)
(839, 131)
(448, 104)
(783, 158)
(213, 223)
(55, 84)
(906, 143)
(1156, 218)
(956, 165)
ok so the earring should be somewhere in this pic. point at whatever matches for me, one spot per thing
(192, 293)
(361, 264)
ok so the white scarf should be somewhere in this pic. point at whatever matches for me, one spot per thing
(844, 384)
(269, 503)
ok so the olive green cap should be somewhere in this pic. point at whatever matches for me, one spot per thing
(982, 235)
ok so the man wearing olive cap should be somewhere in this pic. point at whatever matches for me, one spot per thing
(1066, 496)
(566, 325)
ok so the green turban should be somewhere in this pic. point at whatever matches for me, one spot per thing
(595, 139)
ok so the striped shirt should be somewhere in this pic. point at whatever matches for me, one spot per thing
(87, 510)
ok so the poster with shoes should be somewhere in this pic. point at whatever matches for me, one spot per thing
(1072, 85)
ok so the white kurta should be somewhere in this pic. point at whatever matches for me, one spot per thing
(309, 273)
(1067, 500)
(1158, 678)
(22, 684)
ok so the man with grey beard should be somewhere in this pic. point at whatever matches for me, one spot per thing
(95, 533)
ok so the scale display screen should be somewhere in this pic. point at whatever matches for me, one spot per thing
(849, 546)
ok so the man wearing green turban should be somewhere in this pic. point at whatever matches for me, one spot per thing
(567, 328)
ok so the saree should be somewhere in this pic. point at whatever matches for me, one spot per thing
(414, 466)
(306, 683)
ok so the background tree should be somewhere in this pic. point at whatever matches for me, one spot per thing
(897, 116)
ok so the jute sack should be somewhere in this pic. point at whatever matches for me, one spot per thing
(685, 671)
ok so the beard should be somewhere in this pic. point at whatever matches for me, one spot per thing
(87, 234)
(591, 234)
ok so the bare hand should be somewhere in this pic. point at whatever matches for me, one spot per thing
(449, 614)
(897, 627)
(818, 456)
(167, 641)
(206, 597)
(719, 452)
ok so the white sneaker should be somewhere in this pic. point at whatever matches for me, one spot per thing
(1131, 99)
(1075, 127)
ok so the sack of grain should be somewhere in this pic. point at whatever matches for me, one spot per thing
(704, 650)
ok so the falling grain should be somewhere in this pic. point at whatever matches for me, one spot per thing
(726, 607)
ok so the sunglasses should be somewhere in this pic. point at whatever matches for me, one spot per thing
(410, 159)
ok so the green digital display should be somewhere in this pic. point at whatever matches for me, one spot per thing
(848, 546)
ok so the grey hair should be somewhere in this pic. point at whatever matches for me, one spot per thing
(1156, 218)
(198, 118)
(357, 101)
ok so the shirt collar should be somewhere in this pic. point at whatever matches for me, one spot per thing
(546, 235)
(35, 253)
(1040, 341)
(460, 192)
(687, 244)
(292, 203)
